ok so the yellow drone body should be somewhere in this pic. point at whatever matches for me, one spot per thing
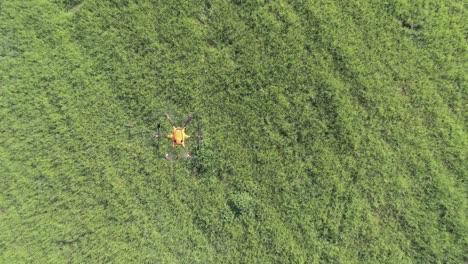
(178, 136)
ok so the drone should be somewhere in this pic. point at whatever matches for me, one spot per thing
(178, 137)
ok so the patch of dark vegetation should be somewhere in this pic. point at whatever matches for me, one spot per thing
(71, 5)
(409, 24)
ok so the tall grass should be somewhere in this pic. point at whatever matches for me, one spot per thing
(335, 131)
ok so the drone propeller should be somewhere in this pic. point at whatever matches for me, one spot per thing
(169, 156)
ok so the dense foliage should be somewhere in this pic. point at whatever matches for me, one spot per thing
(335, 131)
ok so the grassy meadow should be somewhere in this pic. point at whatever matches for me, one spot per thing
(334, 131)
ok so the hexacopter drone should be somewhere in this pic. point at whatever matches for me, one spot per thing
(178, 136)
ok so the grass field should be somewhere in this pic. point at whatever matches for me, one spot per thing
(335, 131)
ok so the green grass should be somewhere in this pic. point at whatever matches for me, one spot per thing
(335, 131)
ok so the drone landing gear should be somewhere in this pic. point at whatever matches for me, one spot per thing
(158, 135)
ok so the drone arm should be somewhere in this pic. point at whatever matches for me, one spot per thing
(189, 118)
(168, 119)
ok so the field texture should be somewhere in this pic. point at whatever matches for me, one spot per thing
(335, 131)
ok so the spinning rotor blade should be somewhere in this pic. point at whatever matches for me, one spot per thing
(169, 156)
